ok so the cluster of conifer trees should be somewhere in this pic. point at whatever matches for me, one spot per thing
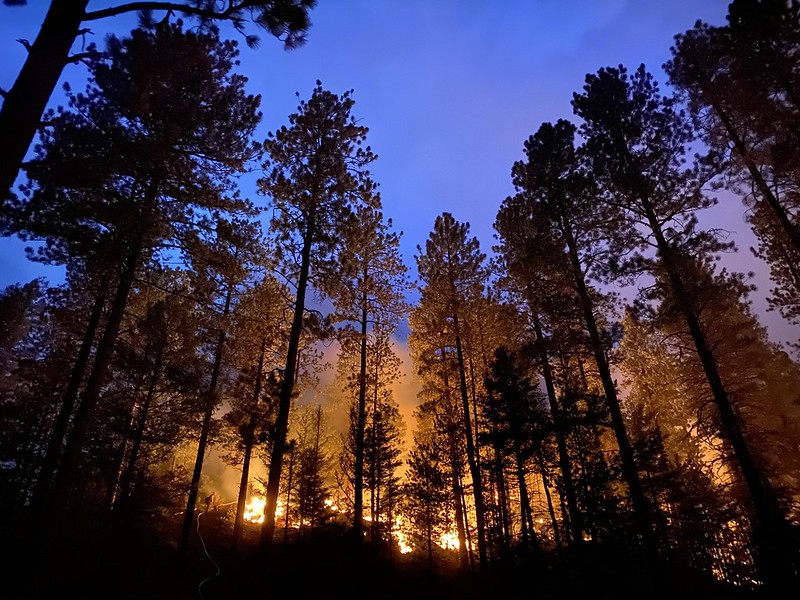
(556, 425)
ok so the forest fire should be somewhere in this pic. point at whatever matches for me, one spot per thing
(596, 404)
(449, 541)
(254, 509)
(399, 528)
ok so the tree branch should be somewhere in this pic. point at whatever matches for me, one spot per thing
(76, 58)
(155, 5)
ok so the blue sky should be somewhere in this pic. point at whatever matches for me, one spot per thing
(449, 89)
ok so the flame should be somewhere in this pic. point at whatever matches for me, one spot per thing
(400, 535)
(449, 541)
(254, 513)
(254, 510)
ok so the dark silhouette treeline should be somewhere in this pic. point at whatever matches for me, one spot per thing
(566, 441)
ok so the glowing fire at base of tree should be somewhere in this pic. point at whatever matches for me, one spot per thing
(254, 509)
(254, 513)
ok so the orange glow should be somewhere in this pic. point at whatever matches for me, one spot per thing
(402, 539)
(449, 541)
(254, 510)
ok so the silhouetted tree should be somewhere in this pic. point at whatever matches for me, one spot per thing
(258, 347)
(515, 409)
(559, 193)
(316, 178)
(452, 272)
(370, 294)
(426, 495)
(741, 82)
(224, 263)
(173, 157)
(25, 101)
(636, 144)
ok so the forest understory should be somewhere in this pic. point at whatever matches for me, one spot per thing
(97, 560)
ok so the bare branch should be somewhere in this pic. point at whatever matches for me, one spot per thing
(168, 6)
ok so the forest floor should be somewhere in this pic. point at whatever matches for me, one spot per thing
(96, 561)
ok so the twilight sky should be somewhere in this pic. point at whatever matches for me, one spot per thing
(449, 90)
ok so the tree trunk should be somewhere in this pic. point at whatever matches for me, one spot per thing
(358, 478)
(505, 524)
(211, 404)
(56, 441)
(113, 483)
(21, 113)
(629, 470)
(791, 230)
(771, 531)
(317, 462)
(550, 508)
(429, 534)
(564, 462)
(461, 530)
(373, 459)
(241, 502)
(68, 471)
(526, 519)
(477, 489)
(288, 492)
(130, 469)
(376, 519)
(285, 399)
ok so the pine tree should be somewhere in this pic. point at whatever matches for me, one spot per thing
(316, 178)
(440, 414)
(452, 272)
(515, 408)
(257, 346)
(741, 82)
(371, 295)
(24, 103)
(157, 366)
(313, 461)
(425, 495)
(173, 157)
(556, 199)
(622, 115)
(223, 262)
